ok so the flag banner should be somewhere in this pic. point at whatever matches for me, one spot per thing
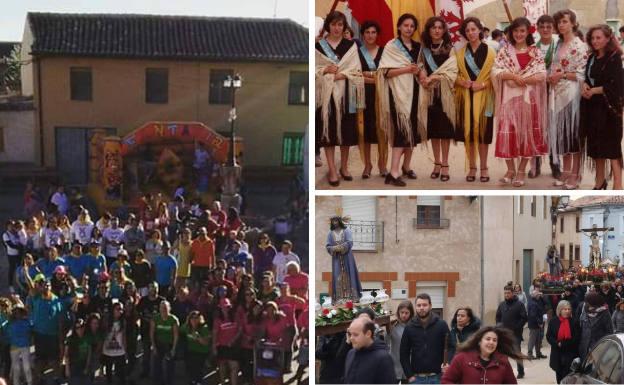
(452, 11)
(533, 9)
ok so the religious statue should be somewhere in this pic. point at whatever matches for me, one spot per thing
(346, 284)
(595, 256)
(554, 262)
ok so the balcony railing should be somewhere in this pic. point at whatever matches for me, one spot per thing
(431, 223)
(367, 235)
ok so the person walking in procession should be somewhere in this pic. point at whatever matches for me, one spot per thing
(423, 349)
(369, 361)
(512, 314)
(563, 336)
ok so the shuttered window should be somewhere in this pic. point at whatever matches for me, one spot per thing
(362, 210)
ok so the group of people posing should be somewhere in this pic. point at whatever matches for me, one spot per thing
(422, 349)
(558, 98)
(93, 297)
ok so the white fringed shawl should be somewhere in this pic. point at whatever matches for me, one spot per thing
(402, 87)
(513, 104)
(327, 87)
(564, 98)
(446, 88)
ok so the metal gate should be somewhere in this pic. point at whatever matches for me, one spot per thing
(72, 153)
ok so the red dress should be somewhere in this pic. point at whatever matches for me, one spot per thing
(510, 143)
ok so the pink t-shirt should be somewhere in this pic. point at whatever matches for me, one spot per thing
(249, 333)
(298, 284)
(226, 331)
(275, 330)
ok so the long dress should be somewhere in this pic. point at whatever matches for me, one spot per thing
(346, 284)
(370, 116)
(483, 131)
(349, 120)
(521, 111)
(601, 115)
(439, 126)
(564, 99)
(401, 138)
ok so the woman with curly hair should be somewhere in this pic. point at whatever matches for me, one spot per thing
(484, 359)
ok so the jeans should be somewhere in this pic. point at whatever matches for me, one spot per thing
(519, 362)
(433, 379)
(535, 340)
(162, 359)
(20, 365)
(119, 362)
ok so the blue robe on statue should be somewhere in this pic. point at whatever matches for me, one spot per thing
(346, 284)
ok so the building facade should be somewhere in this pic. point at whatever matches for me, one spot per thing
(568, 236)
(120, 71)
(532, 235)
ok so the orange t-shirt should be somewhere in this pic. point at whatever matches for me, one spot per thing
(203, 253)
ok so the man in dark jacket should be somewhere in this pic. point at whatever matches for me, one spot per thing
(512, 315)
(424, 345)
(536, 311)
(570, 296)
(332, 351)
(369, 361)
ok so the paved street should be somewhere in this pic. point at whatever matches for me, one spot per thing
(422, 164)
(536, 371)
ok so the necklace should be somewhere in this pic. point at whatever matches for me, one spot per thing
(436, 50)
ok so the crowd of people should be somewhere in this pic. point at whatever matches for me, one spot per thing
(172, 282)
(561, 96)
(422, 349)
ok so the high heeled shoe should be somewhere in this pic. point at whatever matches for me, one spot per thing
(603, 186)
(568, 186)
(434, 174)
(394, 181)
(348, 178)
(484, 178)
(333, 183)
(444, 177)
(471, 178)
(508, 177)
(519, 183)
(366, 174)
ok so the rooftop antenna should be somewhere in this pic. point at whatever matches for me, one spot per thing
(275, 10)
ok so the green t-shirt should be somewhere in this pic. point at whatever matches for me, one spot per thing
(164, 329)
(192, 339)
(78, 350)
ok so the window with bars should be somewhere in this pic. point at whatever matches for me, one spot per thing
(218, 93)
(298, 88)
(562, 251)
(292, 149)
(577, 253)
(578, 224)
(561, 223)
(157, 85)
(81, 83)
(533, 206)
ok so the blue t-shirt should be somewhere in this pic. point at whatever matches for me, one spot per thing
(164, 266)
(96, 266)
(19, 272)
(45, 314)
(19, 332)
(126, 266)
(47, 266)
(77, 266)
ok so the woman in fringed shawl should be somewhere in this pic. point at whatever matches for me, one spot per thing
(601, 107)
(398, 98)
(370, 55)
(474, 97)
(339, 93)
(436, 102)
(564, 98)
(520, 82)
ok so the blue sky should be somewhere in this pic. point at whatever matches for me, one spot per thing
(13, 12)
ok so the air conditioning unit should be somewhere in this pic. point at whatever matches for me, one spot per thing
(399, 293)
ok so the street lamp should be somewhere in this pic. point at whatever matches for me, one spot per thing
(233, 83)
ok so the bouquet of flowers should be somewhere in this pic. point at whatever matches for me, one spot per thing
(596, 275)
(344, 313)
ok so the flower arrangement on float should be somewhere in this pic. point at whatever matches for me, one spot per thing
(347, 312)
(328, 314)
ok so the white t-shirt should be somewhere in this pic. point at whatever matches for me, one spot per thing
(9, 237)
(280, 261)
(111, 234)
(81, 232)
(113, 343)
(61, 202)
(53, 237)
